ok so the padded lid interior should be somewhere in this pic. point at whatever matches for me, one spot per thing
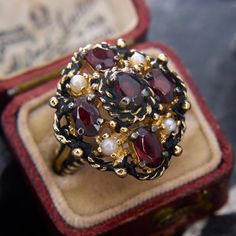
(35, 32)
(90, 196)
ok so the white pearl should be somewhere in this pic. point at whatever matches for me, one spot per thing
(109, 146)
(170, 124)
(77, 83)
(137, 58)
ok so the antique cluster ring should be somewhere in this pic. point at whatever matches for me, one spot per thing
(118, 110)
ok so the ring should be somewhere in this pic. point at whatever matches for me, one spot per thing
(118, 110)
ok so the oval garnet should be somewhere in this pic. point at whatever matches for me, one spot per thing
(162, 86)
(100, 56)
(85, 116)
(148, 148)
(126, 85)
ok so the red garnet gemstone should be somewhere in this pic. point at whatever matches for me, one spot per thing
(148, 148)
(85, 116)
(126, 85)
(162, 86)
(100, 56)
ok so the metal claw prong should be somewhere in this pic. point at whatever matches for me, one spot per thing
(96, 75)
(68, 86)
(94, 86)
(117, 58)
(125, 101)
(91, 97)
(162, 58)
(80, 131)
(177, 89)
(98, 67)
(154, 128)
(144, 92)
(134, 135)
(148, 75)
(142, 164)
(160, 107)
(100, 121)
(71, 105)
(53, 102)
(112, 77)
(121, 43)
(85, 75)
(106, 73)
(104, 43)
(165, 154)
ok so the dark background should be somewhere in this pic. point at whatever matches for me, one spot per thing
(203, 33)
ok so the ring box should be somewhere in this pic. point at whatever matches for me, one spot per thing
(194, 186)
(93, 202)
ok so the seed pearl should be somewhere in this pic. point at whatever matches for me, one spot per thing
(137, 58)
(77, 83)
(109, 146)
(170, 124)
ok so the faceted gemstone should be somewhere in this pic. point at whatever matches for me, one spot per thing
(85, 116)
(162, 86)
(148, 148)
(100, 56)
(127, 86)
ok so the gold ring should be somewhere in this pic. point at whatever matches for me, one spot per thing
(118, 110)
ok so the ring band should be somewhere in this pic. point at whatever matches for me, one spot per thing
(118, 110)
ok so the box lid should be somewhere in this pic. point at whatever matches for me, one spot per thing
(43, 32)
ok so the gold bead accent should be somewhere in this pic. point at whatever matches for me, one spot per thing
(112, 123)
(162, 57)
(106, 135)
(121, 43)
(121, 172)
(118, 141)
(178, 150)
(69, 66)
(186, 105)
(156, 116)
(123, 129)
(149, 109)
(77, 152)
(113, 155)
(71, 73)
(53, 102)
(160, 107)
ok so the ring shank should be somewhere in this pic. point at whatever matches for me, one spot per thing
(65, 162)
